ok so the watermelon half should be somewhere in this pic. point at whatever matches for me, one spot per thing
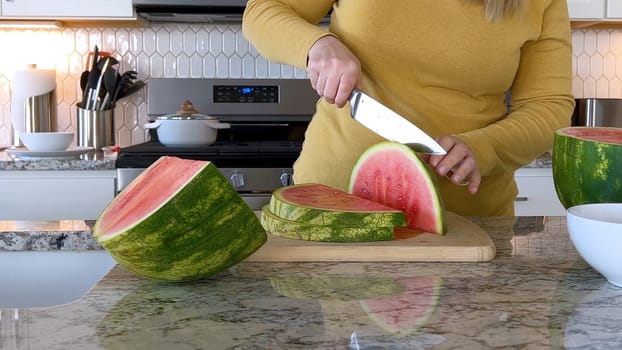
(392, 174)
(179, 220)
(587, 165)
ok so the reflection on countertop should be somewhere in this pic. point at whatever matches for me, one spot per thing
(536, 293)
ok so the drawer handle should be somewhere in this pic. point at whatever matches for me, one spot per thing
(521, 199)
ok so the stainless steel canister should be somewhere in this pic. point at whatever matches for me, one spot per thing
(95, 128)
(39, 115)
(599, 112)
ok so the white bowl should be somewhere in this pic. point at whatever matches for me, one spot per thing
(46, 141)
(596, 232)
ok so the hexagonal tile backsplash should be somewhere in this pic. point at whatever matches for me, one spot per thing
(214, 51)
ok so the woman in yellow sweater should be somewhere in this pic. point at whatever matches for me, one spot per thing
(446, 65)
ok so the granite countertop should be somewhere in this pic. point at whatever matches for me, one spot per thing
(87, 161)
(536, 293)
(97, 161)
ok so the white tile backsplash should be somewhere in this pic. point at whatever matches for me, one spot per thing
(215, 51)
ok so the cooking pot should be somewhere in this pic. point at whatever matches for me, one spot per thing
(187, 128)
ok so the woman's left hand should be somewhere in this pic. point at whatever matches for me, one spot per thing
(459, 164)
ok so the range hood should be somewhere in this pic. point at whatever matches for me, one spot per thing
(194, 11)
(190, 11)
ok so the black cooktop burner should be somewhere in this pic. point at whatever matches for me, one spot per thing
(237, 154)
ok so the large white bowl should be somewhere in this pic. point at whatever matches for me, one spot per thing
(596, 232)
(47, 141)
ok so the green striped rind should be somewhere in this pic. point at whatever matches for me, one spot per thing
(321, 233)
(336, 288)
(586, 171)
(317, 216)
(204, 229)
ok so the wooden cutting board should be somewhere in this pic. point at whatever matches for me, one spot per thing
(463, 242)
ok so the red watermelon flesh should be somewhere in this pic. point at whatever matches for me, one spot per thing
(392, 174)
(136, 203)
(406, 313)
(328, 198)
(603, 135)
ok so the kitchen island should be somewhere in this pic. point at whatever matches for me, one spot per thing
(536, 293)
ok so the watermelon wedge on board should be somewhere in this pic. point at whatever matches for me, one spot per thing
(587, 165)
(179, 220)
(392, 174)
(324, 205)
(322, 233)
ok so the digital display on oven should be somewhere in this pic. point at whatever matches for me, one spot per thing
(246, 94)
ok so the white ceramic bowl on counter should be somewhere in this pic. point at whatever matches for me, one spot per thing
(47, 141)
(596, 232)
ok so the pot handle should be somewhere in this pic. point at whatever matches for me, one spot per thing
(153, 125)
(218, 125)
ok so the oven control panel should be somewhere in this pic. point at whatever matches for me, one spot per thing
(246, 94)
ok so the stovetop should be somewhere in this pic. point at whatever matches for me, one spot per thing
(238, 154)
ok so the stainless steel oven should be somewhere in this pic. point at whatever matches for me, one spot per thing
(268, 120)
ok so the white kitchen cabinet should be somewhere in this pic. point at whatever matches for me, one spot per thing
(600, 10)
(614, 9)
(536, 193)
(587, 9)
(55, 194)
(67, 9)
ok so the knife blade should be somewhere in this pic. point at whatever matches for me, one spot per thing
(390, 125)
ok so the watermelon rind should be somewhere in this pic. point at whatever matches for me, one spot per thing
(392, 174)
(587, 165)
(280, 227)
(203, 229)
(324, 205)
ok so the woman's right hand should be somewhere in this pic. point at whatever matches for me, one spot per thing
(333, 70)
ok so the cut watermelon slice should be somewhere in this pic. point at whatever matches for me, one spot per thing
(322, 233)
(324, 205)
(392, 174)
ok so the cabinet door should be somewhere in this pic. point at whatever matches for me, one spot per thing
(55, 195)
(614, 9)
(59, 9)
(587, 9)
(536, 193)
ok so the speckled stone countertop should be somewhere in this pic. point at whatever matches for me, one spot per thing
(536, 294)
(87, 161)
(97, 161)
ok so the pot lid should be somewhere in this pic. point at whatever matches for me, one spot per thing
(187, 112)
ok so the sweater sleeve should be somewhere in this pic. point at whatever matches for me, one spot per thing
(541, 100)
(283, 31)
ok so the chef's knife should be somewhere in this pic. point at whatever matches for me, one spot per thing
(390, 125)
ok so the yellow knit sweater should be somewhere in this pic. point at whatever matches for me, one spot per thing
(440, 64)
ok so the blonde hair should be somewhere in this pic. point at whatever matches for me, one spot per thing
(496, 9)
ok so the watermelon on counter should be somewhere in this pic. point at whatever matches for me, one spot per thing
(587, 165)
(179, 220)
(392, 174)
